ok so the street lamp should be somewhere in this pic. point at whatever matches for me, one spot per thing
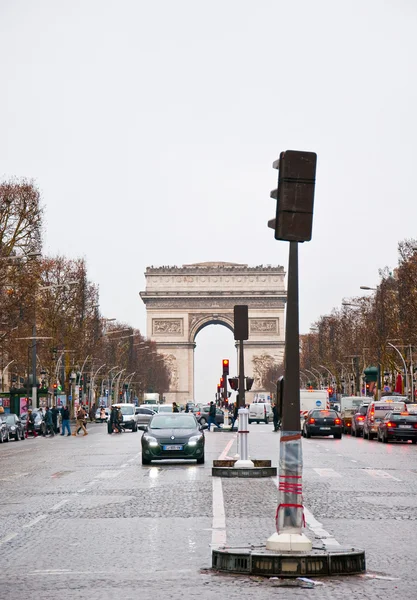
(405, 367)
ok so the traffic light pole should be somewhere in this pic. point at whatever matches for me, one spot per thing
(243, 428)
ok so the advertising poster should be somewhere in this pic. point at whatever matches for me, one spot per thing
(24, 405)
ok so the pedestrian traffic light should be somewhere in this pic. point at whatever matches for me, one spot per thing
(225, 366)
(234, 383)
(295, 196)
(249, 383)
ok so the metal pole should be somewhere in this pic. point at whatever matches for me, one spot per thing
(405, 366)
(243, 428)
(34, 386)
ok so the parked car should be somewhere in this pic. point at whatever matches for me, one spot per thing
(4, 431)
(144, 414)
(376, 412)
(175, 435)
(358, 420)
(39, 423)
(322, 422)
(399, 426)
(15, 428)
(202, 415)
(130, 418)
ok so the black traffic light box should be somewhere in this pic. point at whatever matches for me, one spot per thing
(234, 383)
(294, 195)
(241, 321)
(225, 363)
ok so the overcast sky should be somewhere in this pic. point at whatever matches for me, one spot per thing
(150, 129)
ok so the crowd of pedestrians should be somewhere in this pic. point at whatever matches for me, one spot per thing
(58, 420)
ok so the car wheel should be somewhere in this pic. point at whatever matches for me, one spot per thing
(385, 439)
(145, 461)
(23, 437)
(365, 435)
(371, 436)
(134, 427)
(203, 421)
(250, 422)
(266, 421)
(16, 437)
(414, 441)
(257, 422)
(337, 436)
(308, 434)
(200, 461)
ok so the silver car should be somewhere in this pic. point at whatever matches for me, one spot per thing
(144, 415)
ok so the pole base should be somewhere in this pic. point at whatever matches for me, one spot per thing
(294, 542)
(243, 464)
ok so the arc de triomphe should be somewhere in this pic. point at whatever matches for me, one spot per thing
(180, 301)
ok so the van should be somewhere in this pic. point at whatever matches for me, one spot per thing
(312, 399)
(377, 411)
(260, 411)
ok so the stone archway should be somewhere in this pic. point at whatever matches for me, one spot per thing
(180, 301)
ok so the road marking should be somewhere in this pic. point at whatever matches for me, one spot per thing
(56, 506)
(32, 523)
(81, 491)
(123, 466)
(7, 538)
(354, 460)
(327, 473)
(218, 536)
(131, 459)
(226, 450)
(318, 530)
(13, 477)
(379, 474)
(108, 474)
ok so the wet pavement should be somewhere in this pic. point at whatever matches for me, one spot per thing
(82, 518)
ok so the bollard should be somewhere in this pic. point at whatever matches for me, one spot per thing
(242, 435)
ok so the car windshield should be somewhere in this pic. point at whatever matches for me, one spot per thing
(127, 410)
(165, 409)
(174, 421)
(323, 414)
(363, 410)
(10, 419)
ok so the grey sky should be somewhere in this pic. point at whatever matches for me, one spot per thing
(150, 128)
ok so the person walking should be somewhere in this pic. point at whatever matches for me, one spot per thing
(212, 416)
(54, 413)
(187, 407)
(235, 413)
(276, 418)
(65, 421)
(79, 424)
(30, 424)
(175, 407)
(49, 424)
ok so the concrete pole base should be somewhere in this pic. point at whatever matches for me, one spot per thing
(293, 542)
(243, 464)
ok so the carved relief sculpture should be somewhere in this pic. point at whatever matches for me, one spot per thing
(260, 365)
(264, 325)
(166, 326)
(171, 364)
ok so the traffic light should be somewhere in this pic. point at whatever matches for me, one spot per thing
(225, 366)
(221, 382)
(55, 386)
(234, 383)
(295, 196)
(249, 383)
(218, 388)
(331, 391)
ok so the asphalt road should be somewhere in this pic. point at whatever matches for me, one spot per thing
(81, 518)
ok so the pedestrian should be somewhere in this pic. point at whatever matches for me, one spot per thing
(54, 413)
(49, 425)
(235, 413)
(65, 413)
(102, 414)
(92, 412)
(85, 409)
(187, 407)
(80, 421)
(175, 407)
(212, 416)
(276, 418)
(30, 424)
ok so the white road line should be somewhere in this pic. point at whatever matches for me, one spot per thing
(92, 482)
(379, 474)
(131, 459)
(32, 523)
(226, 450)
(327, 473)
(218, 536)
(7, 538)
(56, 506)
(81, 491)
(317, 529)
(108, 474)
(123, 466)
(353, 460)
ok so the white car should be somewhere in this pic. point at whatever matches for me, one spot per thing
(260, 412)
(130, 418)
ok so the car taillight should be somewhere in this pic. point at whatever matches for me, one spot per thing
(337, 421)
(199, 413)
(311, 421)
(348, 424)
(389, 424)
(361, 418)
(415, 425)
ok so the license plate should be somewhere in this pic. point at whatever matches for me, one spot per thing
(405, 426)
(172, 447)
(325, 428)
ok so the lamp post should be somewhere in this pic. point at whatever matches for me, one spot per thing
(405, 367)
(92, 385)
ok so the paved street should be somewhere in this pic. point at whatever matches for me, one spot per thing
(81, 518)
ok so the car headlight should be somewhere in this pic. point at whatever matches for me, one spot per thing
(151, 441)
(194, 440)
(12, 428)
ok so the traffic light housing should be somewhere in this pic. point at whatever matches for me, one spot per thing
(225, 363)
(55, 386)
(234, 383)
(249, 383)
(295, 196)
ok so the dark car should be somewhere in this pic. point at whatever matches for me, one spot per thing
(322, 422)
(172, 435)
(358, 420)
(202, 415)
(399, 426)
(15, 428)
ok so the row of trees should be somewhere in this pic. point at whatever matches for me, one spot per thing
(363, 331)
(52, 300)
